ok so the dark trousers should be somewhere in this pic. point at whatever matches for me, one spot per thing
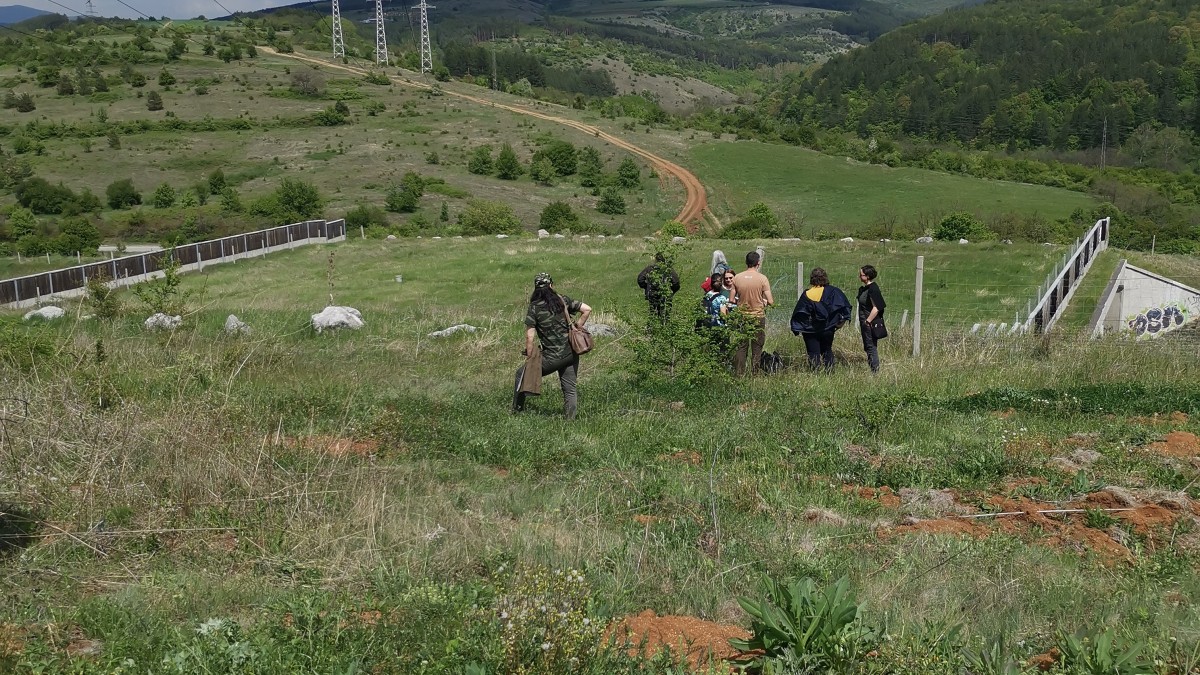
(870, 347)
(820, 349)
(568, 375)
(754, 345)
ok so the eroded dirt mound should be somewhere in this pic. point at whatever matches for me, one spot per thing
(884, 495)
(334, 446)
(696, 641)
(1066, 526)
(1181, 444)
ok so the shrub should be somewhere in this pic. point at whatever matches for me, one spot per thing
(22, 222)
(231, 202)
(508, 167)
(406, 197)
(329, 117)
(39, 196)
(673, 228)
(216, 182)
(122, 194)
(77, 234)
(165, 78)
(562, 156)
(102, 299)
(366, 215)
(959, 226)
(377, 77)
(629, 176)
(308, 83)
(163, 294)
(760, 222)
(298, 200)
(25, 103)
(542, 171)
(163, 197)
(154, 101)
(611, 202)
(481, 161)
(558, 216)
(484, 217)
(590, 167)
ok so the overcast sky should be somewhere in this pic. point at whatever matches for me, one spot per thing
(176, 9)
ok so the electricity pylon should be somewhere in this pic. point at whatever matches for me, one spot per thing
(426, 50)
(381, 55)
(339, 42)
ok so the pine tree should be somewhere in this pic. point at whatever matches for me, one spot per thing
(481, 162)
(611, 202)
(508, 167)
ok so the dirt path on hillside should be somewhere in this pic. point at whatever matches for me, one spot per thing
(695, 205)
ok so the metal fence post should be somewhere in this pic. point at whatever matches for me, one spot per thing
(799, 280)
(917, 306)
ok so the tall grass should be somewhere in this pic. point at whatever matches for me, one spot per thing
(186, 477)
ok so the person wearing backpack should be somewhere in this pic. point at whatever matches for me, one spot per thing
(660, 283)
(870, 315)
(819, 313)
(548, 319)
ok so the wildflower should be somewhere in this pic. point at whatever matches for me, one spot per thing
(587, 621)
(546, 646)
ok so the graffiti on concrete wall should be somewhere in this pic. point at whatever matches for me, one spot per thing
(1154, 321)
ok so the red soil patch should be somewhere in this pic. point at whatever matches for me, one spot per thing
(12, 639)
(333, 446)
(1021, 483)
(1176, 417)
(686, 456)
(1045, 661)
(884, 495)
(694, 641)
(1061, 530)
(1181, 444)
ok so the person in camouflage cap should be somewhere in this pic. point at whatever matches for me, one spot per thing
(546, 318)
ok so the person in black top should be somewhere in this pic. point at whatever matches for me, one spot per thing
(870, 310)
(661, 283)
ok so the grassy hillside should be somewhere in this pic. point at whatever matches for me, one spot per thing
(836, 196)
(361, 500)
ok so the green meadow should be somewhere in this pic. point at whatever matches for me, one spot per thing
(826, 196)
(364, 501)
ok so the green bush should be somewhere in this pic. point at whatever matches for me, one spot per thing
(366, 215)
(508, 167)
(629, 176)
(297, 200)
(960, 225)
(611, 202)
(163, 197)
(481, 161)
(77, 234)
(484, 217)
(122, 195)
(558, 216)
(673, 228)
(562, 155)
(759, 223)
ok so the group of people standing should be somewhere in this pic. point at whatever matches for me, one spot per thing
(820, 312)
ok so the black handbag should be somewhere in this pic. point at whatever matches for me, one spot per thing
(878, 330)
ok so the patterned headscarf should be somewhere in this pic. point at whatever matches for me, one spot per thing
(542, 280)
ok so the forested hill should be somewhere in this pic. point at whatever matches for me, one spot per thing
(1019, 73)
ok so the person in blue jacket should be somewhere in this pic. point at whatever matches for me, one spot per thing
(819, 313)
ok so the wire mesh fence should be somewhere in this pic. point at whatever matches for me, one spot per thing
(128, 269)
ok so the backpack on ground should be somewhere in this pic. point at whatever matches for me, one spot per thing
(770, 362)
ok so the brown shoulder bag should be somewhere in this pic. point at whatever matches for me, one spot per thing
(580, 339)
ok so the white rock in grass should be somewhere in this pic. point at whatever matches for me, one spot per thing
(447, 332)
(542, 234)
(924, 240)
(391, 237)
(963, 241)
(333, 317)
(235, 326)
(47, 313)
(601, 330)
(559, 235)
(847, 240)
(502, 236)
(162, 321)
(678, 240)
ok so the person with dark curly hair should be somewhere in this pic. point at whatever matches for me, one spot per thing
(819, 313)
(548, 319)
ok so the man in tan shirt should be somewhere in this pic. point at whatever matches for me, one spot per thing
(753, 292)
